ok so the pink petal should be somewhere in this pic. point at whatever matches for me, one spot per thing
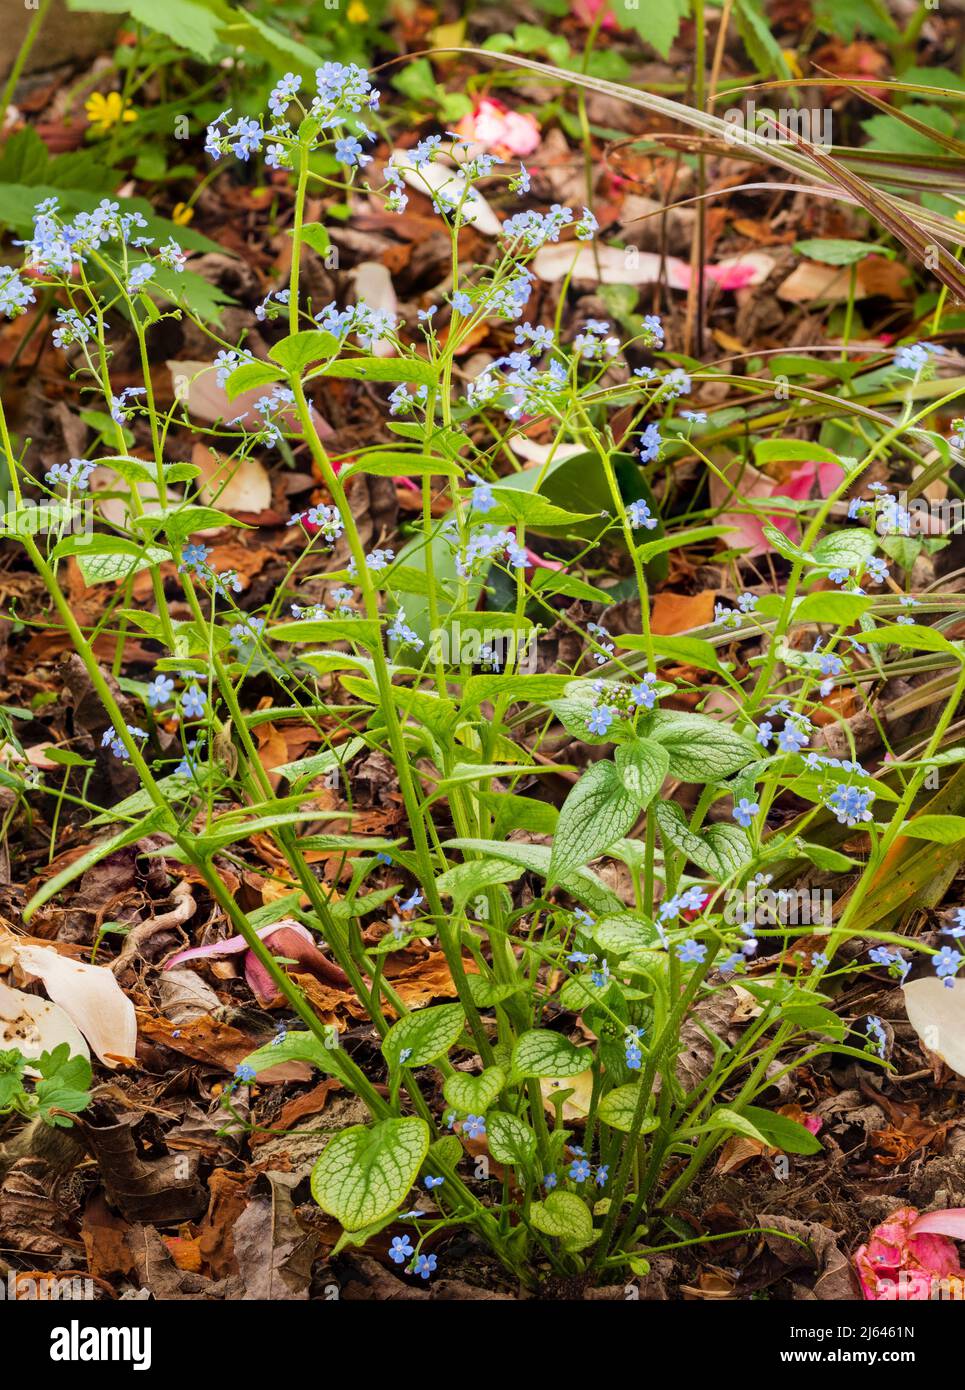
(730, 277)
(233, 945)
(950, 1222)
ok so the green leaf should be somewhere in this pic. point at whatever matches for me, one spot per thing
(381, 369)
(649, 550)
(542, 1052)
(473, 1095)
(944, 830)
(398, 463)
(777, 539)
(363, 631)
(836, 251)
(701, 749)
(583, 884)
(565, 1216)
(64, 1085)
(914, 636)
(656, 21)
(365, 1171)
(597, 811)
(249, 375)
(477, 690)
(783, 450)
(423, 1036)
(781, 1132)
(618, 1107)
(643, 766)
(762, 47)
(510, 1139)
(847, 549)
(299, 1046)
(465, 881)
(486, 994)
(299, 350)
(534, 510)
(12, 1068)
(832, 608)
(315, 235)
(624, 932)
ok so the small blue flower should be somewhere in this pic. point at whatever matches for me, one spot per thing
(745, 811)
(946, 964)
(432, 1182)
(160, 691)
(424, 1266)
(401, 1249)
(474, 1126)
(600, 719)
(732, 963)
(638, 514)
(882, 956)
(691, 951)
(244, 1072)
(579, 1170)
(349, 151)
(193, 702)
(650, 444)
(550, 1181)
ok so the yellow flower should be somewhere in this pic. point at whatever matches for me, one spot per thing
(357, 13)
(960, 215)
(105, 111)
(182, 214)
(790, 57)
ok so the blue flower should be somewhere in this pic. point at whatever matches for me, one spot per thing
(400, 1249)
(462, 303)
(792, 738)
(282, 94)
(638, 514)
(946, 964)
(602, 1175)
(193, 702)
(474, 1126)
(600, 719)
(877, 1037)
(432, 1182)
(850, 805)
(882, 956)
(194, 560)
(691, 951)
(579, 1170)
(913, 358)
(160, 691)
(244, 1072)
(819, 960)
(745, 811)
(550, 1181)
(650, 443)
(424, 1266)
(731, 963)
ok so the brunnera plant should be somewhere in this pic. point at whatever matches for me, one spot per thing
(585, 1132)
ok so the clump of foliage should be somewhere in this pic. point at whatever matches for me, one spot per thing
(583, 1131)
(61, 1089)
